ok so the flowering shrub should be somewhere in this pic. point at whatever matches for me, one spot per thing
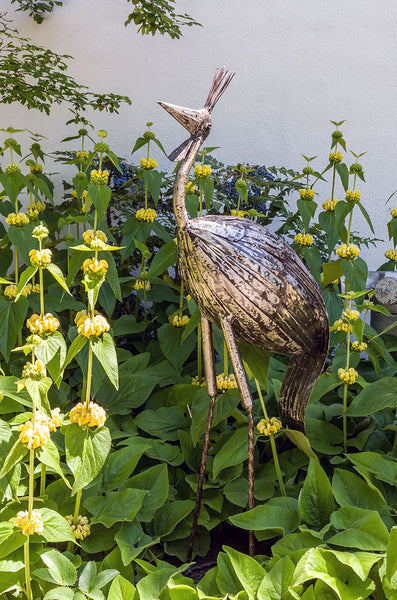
(103, 399)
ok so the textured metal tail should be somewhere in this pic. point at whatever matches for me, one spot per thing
(221, 80)
(302, 373)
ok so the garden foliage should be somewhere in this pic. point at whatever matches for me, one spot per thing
(103, 407)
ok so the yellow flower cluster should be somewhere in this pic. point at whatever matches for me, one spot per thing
(238, 213)
(347, 251)
(29, 527)
(56, 419)
(99, 177)
(34, 435)
(90, 236)
(148, 163)
(91, 326)
(141, 284)
(95, 416)
(36, 169)
(179, 320)
(202, 171)
(340, 325)
(146, 214)
(196, 381)
(40, 258)
(348, 376)
(84, 195)
(42, 325)
(391, 254)
(11, 290)
(52, 422)
(13, 169)
(350, 314)
(40, 232)
(393, 213)
(359, 346)
(81, 529)
(353, 196)
(303, 239)
(335, 157)
(306, 194)
(82, 155)
(95, 268)
(190, 187)
(269, 426)
(34, 370)
(329, 205)
(225, 382)
(17, 219)
(34, 209)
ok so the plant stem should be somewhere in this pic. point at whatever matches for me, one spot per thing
(89, 377)
(77, 506)
(75, 516)
(31, 483)
(41, 292)
(272, 443)
(333, 182)
(277, 465)
(16, 265)
(42, 480)
(27, 569)
(30, 509)
(345, 388)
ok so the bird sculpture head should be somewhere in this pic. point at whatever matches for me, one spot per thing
(198, 121)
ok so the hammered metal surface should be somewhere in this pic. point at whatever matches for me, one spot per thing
(235, 268)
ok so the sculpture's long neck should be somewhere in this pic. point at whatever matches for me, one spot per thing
(181, 180)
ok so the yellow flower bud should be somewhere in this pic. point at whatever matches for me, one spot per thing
(179, 320)
(335, 157)
(40, 258)
(35, 525)
(148, 214)
(98, 177)
(225, 382)
(306, 194)
(18, 219)
(34, 435)
(95, 268)
(148, 163)
(202, 171)
(348, 376)
(42, 325)
(329, 205)
(81, 528)
(95, 416)
(347, 251)
(238, 213)
(303, 239)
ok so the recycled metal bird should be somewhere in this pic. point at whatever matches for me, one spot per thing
(252, 285)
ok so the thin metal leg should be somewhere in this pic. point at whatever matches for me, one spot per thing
(210, 377)
(246, 399)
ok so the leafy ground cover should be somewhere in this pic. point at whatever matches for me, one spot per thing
(103, 406)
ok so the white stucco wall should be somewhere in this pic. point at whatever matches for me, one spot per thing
(298, 65)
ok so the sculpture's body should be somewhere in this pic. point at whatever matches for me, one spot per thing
(250, 283)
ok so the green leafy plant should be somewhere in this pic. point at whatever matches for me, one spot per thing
(102, 429)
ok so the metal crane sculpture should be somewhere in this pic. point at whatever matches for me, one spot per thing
(252, 285)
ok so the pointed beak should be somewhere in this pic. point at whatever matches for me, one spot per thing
(191, 119)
